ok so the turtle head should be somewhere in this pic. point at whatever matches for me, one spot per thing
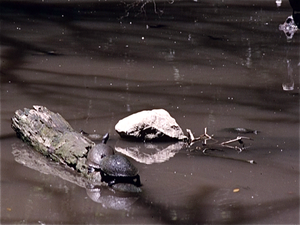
(105, 138)
(97, 154)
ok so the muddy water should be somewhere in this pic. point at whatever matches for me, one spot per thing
(214, 64)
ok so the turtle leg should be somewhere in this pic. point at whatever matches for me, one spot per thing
(138, 181)
(107, 179)
(102, 176)
(111, 182)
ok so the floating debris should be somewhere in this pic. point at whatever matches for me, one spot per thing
(215, 145)
(236, 190)
(241, 130)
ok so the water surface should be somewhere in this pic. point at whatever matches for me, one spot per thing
(214, 64)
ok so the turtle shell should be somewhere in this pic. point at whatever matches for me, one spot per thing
(97, 154)
(118, 166)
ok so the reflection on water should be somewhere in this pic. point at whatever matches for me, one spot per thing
(108, 200)
(150, 152)
(289, 85)
(112, 197)
(214, 64)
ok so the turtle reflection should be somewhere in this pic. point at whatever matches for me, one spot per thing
(112, 199)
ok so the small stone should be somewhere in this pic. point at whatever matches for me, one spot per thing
(147, 125)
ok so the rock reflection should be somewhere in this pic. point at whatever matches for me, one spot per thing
(149, 153)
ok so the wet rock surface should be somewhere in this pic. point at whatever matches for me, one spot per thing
(147, 125)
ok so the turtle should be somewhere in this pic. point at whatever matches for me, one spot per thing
(97, 153)
(118, 169)
(113, 168)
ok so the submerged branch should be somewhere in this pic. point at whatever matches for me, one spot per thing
(204, 138)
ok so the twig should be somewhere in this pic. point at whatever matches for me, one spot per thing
(251, 161)
(205, 137)
(238, 138)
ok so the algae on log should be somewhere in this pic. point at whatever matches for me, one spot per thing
(50, 134)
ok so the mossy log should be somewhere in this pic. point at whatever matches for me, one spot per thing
(51, 135)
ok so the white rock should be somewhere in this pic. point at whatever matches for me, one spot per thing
(156, 124)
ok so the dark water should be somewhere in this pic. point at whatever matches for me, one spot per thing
(214, 64)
